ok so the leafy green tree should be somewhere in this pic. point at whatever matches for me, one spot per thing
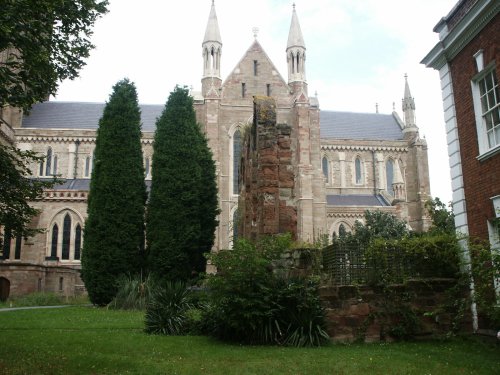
(183, 200)
(42, 43)
(379, 224)
(114, 230)
(17, 190)
(443, 220)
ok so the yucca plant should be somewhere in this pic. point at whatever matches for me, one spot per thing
(302, 317)
(133, 293)
(167, 312)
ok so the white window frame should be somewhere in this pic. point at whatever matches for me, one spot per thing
(485, 150)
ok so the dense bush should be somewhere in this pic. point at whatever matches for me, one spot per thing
(168, 311)
(485, 266)
(251, 304)
(423, 256)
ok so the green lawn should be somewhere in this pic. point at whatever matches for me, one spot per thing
(85, 340)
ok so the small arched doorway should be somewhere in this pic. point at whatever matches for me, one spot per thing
(4, 289)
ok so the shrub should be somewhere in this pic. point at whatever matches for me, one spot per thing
(485, 267)
(252, 304)
(424, 256)
(301, 314)
(133, 293)
(167, 312)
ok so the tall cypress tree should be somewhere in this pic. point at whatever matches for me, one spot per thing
(114, 230)
(182, 207)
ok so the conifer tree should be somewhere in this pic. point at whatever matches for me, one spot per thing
(182, 209)
(114, 230)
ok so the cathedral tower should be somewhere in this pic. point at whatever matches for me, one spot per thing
(212, 50)
(296, 57)
(309, 181)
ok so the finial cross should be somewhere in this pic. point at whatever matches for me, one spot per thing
(255, 31)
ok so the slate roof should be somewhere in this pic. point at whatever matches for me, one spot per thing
(356, 200)
(81, 115)
(80, 184)
(359, 126)
(334, 125)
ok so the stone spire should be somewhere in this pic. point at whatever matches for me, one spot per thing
(296, 51)
(212, 50)
(295, 38)
(212, 46)
(409, 107)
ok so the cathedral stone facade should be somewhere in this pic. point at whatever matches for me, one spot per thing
(336, 165)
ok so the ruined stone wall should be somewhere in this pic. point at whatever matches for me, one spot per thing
(267, 181)
(368, 314)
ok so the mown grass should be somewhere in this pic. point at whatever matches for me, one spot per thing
(44, 299)
(85, 340)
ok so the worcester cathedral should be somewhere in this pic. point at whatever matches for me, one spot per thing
(344, 163)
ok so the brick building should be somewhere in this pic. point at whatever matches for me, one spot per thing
(467, 57)
(339, 163)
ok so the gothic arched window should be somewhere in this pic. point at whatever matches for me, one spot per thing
(147, 168)
(53, 245)
(236, 160)
(324, 167)
(357, 167)
(78, 241)
(235, 226)
(66, 237)
(87, 166)
(342, 230)
(48, 162)
(54, 167)
(389, 172)
(17, 254)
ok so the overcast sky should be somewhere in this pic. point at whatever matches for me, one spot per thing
(358, 52)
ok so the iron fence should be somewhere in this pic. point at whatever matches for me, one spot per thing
(347, 264)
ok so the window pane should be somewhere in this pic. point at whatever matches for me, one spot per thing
(236, 161)
(87, 166)
(147, 167)
(55, 235)
(235, 226)
(342, 231)
(358, 171)
(324, 166)
(48, 162)
(497, 135)
(488, 119)
(491, 99)
(54, 170)
(17, 254)
(66, 237)
(489, 81)
(389, 171)
(491, 139)
(484, 103)
(495, 114)
(78, 241)
(482, 87)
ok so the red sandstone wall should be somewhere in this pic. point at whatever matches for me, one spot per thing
(267, 179)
